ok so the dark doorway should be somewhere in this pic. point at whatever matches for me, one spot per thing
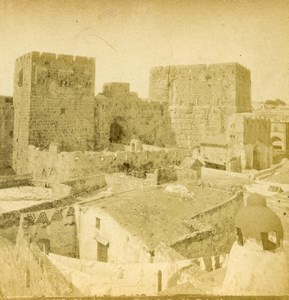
(102, 252)
(159, 281)
(118, 131)
(256, 159)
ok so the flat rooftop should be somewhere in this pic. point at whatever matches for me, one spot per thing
(155, 215)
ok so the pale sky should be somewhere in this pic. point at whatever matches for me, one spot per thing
(128, 37)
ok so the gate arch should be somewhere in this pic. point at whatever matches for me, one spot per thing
(277, 143)
(119, 133)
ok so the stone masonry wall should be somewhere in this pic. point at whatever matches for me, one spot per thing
(21, 101)
(243, 90)
(201, 97)
(54, 225)
(62, 101)
(53, 103)
(121, 116)
(9, 221)
(54, 166)
(222, 220)
(13, 181)
(6, 131)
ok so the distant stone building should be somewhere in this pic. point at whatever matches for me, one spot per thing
(246, 145)
(191, 168)
(200, 98)
(279, 117)
(250, 139)
(153, 225)
(280, 135)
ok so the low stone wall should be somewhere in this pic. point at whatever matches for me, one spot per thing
(13, 181)
(86, 184)
(262, 187)
(53, 166)
(222, 235)
(120, 182)
(267, 172)
(164, 175)
(186, 174)
(214, 175)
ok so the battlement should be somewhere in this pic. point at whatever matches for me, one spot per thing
(57, 58)
(24, 57)
(262, 120)
(116, 89)
(176, 69)
(198, 67)
(249, 116)
(250, 122)
(224, 84)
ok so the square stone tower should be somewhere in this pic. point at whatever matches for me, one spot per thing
(53, 102)
(201, 97)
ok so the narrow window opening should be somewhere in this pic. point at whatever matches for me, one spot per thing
(97, 223)
(159, 281)
(239, 236)
(27, 277)
(20, 78)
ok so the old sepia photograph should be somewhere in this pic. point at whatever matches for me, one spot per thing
(144, 149)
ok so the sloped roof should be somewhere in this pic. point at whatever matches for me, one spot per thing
(154, 215)
(191, 163)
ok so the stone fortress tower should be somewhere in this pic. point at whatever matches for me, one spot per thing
(257, 264)
(53, 102)
(201, 97)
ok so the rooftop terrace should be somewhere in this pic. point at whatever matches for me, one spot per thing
(155, 215)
